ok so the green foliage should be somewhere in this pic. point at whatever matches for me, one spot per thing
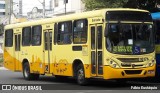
(1, 60)
(99, 4)
(1, 29)
(150, 5)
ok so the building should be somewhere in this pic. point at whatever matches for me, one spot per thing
(2, 8)
(35, 13)
(13, 12)
(57, 8)
(13, 7)
(17, 8)
(62, 7)
(2, 15)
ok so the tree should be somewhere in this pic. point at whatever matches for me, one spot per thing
(1, 29)
(99, 4)
(150, 5)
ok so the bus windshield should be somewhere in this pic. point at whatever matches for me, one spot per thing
(130, 38)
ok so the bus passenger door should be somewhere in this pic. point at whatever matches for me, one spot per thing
(17, 47)
(96, 50)
(47, 49)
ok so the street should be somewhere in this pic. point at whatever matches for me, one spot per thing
(69, 84)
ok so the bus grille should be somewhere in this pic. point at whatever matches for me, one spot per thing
(129, 65)
(130, 59)
(133, 71)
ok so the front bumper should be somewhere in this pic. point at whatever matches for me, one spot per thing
(116, 73)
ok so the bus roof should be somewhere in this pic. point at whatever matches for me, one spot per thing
(88, 14)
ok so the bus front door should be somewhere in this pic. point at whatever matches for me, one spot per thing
(47, 49)
(96, 50)
(17, 40)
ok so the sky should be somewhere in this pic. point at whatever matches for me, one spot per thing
(28, 5)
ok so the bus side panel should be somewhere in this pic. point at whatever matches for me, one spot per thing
(9, 59)
(62, 62)
(63, 58)
(158, 64)
(36, 60)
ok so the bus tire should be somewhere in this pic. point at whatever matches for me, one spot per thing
(26, 73)
(80, 75)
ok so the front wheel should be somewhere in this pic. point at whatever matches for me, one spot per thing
(80, 76)
(26, 73)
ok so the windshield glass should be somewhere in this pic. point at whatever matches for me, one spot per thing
(130, 38)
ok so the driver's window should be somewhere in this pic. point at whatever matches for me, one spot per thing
(114, 34)
(146, 32)
(114, 28)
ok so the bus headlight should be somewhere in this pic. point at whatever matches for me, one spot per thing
(113, 64)
(151, 63)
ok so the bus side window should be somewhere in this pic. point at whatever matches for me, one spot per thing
(64, 32)
(26, 36)
(80, 31)
(9, 38)
(36, 35)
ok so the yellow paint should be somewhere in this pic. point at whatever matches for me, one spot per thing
(11, 63)
(62, 69)
(111, 73)
(95, 20)
(8, 61)
(35, 66)
(62, 56)
(87, 69)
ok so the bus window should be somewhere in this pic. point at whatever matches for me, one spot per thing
(64, 32)
(26, 36)
(36, 35)
(80, 31)
(124, 37)
(115, 33)
(9, 38)
(17, 42)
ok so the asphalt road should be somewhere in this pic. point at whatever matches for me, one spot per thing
(69, 85)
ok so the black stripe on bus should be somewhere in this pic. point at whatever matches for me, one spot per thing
(77, 48)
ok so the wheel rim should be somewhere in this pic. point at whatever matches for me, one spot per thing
(26, 72)
(80, 76)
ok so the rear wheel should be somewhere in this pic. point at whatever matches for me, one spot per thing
(26, 73)
(80, 76)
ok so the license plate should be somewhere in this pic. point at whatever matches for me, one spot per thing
(150, 71)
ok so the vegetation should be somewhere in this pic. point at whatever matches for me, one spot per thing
(1, 60)
(150, 5)
(1, 29)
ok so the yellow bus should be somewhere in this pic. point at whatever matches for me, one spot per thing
(107, 44)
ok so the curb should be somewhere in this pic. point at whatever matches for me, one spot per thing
(3, 68)
(1, 64)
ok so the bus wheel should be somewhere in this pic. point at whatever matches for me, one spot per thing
(26, 73)
(81, 80)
